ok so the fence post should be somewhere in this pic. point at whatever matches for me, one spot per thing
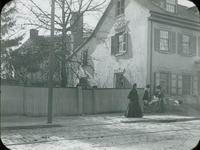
(94, 100)
(80, 100)
(24, 100)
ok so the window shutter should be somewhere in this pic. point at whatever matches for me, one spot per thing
(195, 85)
(180, 84)
(193, 47)
(180, 46)
(157, 79)
(199, 46)
(114, 44)
(172, 42)
(173, 84)
(126, 41)
(156, 39)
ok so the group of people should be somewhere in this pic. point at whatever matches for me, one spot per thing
(134, 109)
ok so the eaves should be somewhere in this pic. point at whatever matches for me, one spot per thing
(175, 20)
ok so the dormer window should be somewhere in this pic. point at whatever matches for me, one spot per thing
(120, 7)
(171, 5)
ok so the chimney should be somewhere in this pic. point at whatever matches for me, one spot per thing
(33, 34)
(77, 29)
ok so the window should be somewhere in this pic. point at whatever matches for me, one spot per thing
(120, 7)
(186, 84)
(171, 6)
(85, 57)
(185, 44)
(119, 43)
(164, 40)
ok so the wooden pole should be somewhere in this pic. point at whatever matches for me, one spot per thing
(51, 67)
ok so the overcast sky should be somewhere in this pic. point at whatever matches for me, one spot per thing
(91, 19)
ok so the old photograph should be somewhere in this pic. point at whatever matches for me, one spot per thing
(100, 75)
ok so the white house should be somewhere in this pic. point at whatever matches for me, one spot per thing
(154, 42)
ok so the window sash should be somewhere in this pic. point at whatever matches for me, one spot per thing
(120, 7)
(164, 40)
(171, 5)
(122, 43)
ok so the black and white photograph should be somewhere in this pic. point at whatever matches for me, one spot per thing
(100, 75)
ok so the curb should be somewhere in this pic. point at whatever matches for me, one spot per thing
(31, 126)
(161, 120)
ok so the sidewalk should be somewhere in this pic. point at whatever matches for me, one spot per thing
(25, 122)
(101, 132)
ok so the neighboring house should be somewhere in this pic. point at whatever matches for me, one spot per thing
(154, 42)
(39, 47)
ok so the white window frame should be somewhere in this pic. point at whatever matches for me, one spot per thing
(122, 42)
(186, 44)
(164, 40)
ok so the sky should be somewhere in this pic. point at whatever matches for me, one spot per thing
(90, 19)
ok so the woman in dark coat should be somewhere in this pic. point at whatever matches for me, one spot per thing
(134, 109)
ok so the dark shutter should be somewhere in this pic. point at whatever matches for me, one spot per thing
(193, 45)
(156, 39)
(180, 46)
(195, 85)
(172, 42)
(199, 46)
(114, 44)
(173, 84)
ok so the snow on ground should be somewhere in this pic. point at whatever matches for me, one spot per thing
(104, 132)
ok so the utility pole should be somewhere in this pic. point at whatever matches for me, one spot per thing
(51, 67)
(0, 72)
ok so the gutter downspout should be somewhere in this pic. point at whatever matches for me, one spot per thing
(151, 51)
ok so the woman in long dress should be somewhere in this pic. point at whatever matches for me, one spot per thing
(134, 109)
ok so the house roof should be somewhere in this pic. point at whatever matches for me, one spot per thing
(182, 12)
(95, 30)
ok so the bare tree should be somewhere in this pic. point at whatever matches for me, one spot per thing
(65, 22)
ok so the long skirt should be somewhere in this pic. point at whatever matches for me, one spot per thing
(134, 110)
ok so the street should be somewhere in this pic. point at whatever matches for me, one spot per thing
(105, 132)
